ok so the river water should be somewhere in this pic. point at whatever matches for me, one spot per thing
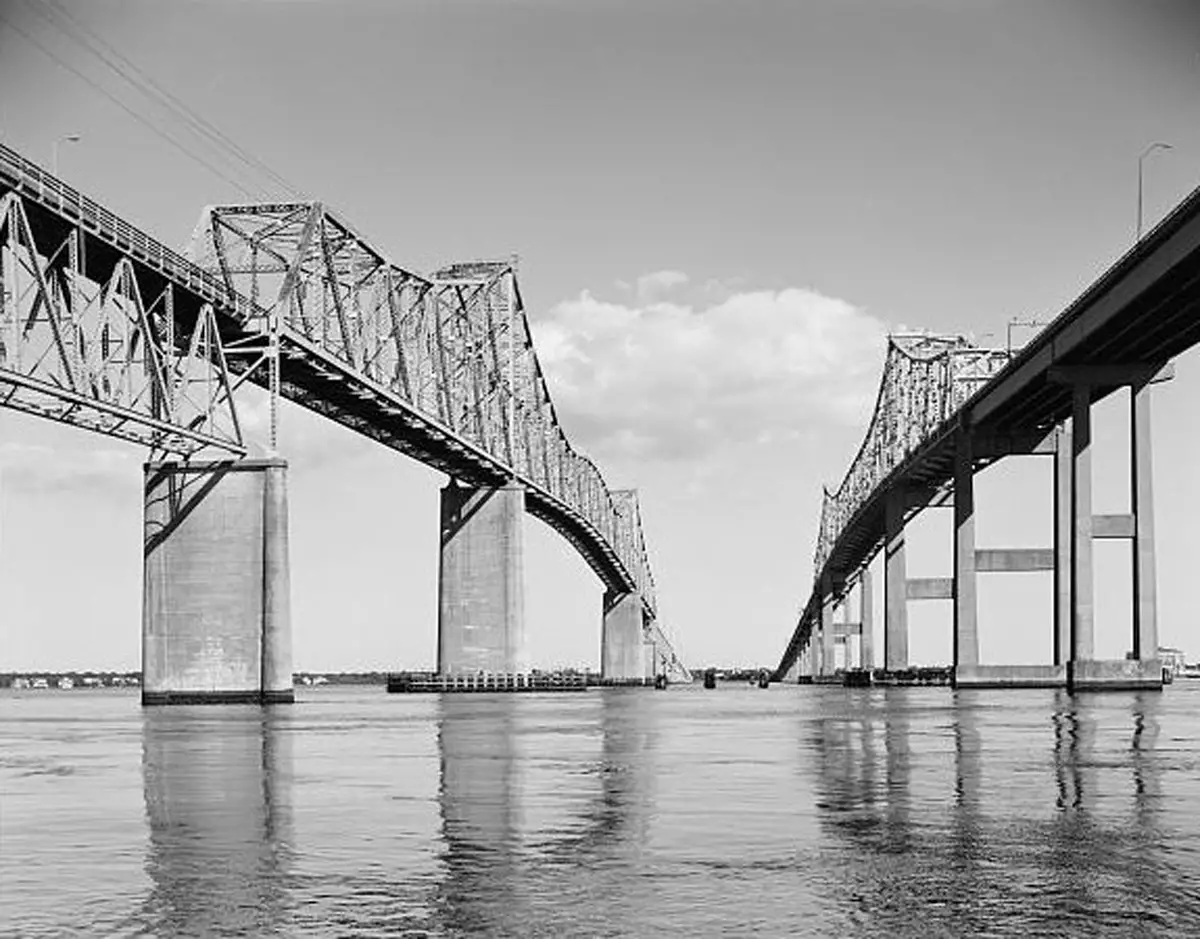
(812, 811)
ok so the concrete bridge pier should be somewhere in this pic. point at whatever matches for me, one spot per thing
(895, 583)
(829, 589)
(216, 606)
(622, 643)
(1142, 668)
(866, 615)
(481, 592)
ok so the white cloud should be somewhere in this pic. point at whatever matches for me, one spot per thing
(666, 381)
(650, 286)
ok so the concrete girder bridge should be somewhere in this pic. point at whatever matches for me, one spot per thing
(107, 329)
(947, 408)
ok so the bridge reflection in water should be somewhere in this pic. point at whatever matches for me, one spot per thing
(942, 826)
(217, 784)
(473, 814)
(543, 840)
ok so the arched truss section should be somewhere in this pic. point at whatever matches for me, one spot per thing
(450, 353)
(926, 379)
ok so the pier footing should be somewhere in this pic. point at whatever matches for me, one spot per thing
(1010, 676)
(1115, 675)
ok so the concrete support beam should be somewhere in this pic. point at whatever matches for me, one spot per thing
(1145, 590)
(481, 602)
(649, 659)
(966, 624)
(1114, 526)
(929, 588)
(216, 624)
(895, 580)
(866, 609)
(1064, 527)
(1014, 560)
(622, 644)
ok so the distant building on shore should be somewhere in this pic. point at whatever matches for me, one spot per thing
(1172, 659)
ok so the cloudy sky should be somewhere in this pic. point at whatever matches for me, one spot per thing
(721, 210)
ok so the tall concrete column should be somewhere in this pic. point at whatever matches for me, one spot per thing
(895, 584)
(622, 649)
(650, 658)
(481, 594)
(1082, 619)
(1145, 591)
(866, 610)
(1064, 540)
(828, 637)
(966, 625)
(216, 621)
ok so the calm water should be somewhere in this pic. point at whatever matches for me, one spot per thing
(788, 812)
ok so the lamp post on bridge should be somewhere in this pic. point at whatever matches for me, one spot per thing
(1141, 160)
(65, 138)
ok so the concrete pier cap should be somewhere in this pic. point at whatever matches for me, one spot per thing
(216, 600)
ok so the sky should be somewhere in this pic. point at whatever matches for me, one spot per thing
(720, 209)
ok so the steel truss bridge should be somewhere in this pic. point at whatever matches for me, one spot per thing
(105, 328)
(940, 395)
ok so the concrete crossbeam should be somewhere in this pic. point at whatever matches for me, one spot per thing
(1114, 526)
(930, 588)
(216, 621)
(993, 560)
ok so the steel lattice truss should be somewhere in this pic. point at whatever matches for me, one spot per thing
(454, 348)
(103, 327)
(926, 379)
(83, 343)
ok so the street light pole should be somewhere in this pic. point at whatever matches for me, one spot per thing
(69, 138)
(1142, 159)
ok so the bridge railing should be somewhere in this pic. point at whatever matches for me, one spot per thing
(926, 379)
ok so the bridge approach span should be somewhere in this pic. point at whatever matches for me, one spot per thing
(940, 396)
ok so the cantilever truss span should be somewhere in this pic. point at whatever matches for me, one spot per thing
(440, 367)
(103, 327)
(926, 381)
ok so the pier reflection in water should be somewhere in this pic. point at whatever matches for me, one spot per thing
(795, 811)
(218, 809)
(542, 809)
(958, 814)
